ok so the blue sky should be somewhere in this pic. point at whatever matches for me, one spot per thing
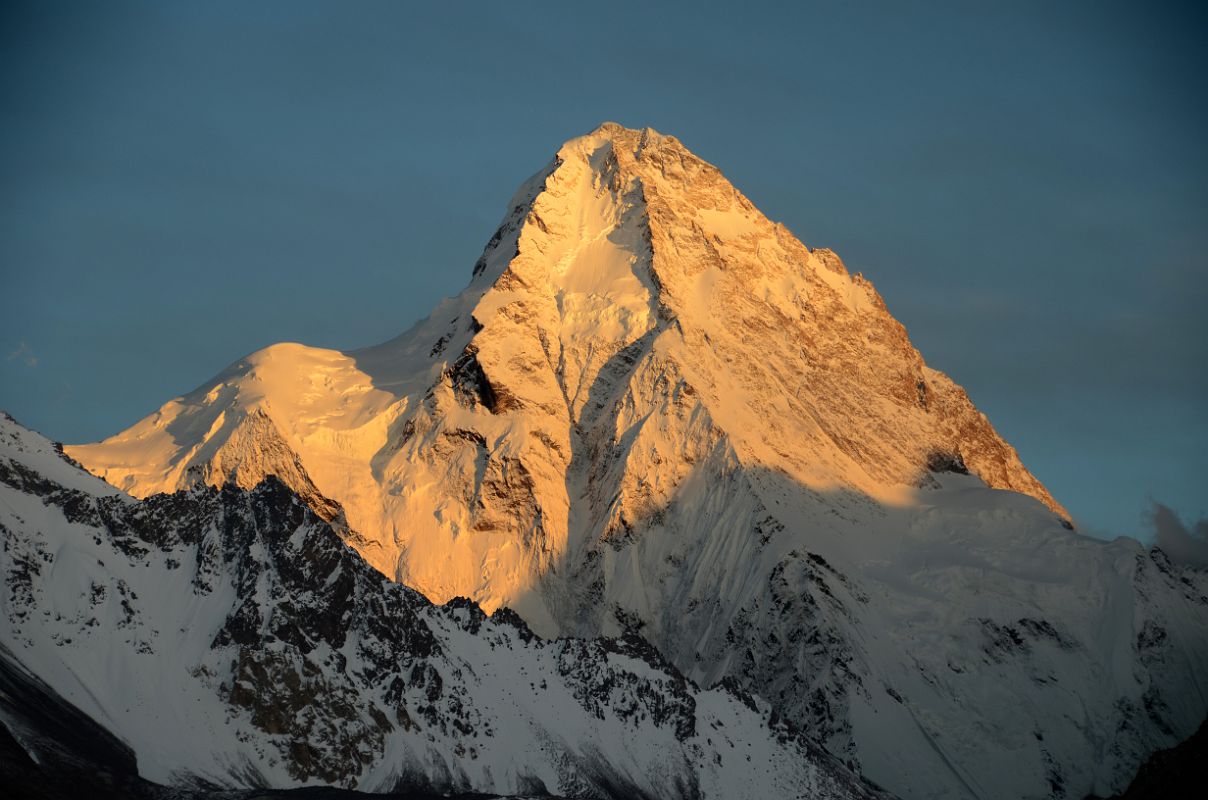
(1025, 183)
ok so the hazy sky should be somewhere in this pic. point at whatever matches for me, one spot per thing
(1026, 184)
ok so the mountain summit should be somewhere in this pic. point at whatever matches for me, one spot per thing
(634, 322)
(654, 411)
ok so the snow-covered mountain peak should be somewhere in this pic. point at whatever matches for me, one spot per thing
(631, 238)
(632, 304)
(653, 409)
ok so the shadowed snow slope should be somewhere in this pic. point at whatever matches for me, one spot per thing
(652, 408)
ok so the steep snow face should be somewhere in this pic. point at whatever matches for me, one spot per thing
(230, 637)
(652, 408)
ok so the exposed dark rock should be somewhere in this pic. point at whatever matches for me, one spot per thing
(946, 461)
(1180, 772)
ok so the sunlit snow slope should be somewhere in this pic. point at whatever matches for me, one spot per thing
(652, 408)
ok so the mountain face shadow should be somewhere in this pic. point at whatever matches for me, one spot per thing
(782, 608)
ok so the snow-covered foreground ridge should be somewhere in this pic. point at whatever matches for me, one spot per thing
(230, 637)
(653, 409)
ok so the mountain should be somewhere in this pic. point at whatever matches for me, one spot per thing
(632, 311)
(654, 413)
(227, 638)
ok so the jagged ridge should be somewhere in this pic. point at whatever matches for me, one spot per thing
(230, 638)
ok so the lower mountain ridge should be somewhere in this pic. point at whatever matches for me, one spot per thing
(227, 644)
(228, 639)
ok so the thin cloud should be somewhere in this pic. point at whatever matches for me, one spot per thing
(1186, 544)
(25, 353)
